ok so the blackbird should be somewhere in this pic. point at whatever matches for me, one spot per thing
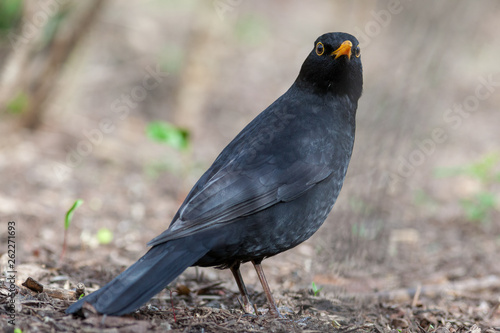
(269, 190)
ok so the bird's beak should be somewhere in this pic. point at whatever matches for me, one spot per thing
(344, 49)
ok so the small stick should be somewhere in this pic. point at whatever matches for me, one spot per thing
(54, 292)
(34, 285)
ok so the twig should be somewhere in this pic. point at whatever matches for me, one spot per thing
(54, 292)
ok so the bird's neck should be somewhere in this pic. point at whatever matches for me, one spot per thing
(328, 90)
(324, 99)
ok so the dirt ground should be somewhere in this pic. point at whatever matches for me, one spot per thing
(457, 291)
(397, 254)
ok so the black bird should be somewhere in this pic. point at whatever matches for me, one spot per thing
(269, 190)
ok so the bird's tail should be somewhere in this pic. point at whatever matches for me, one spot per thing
(141, 281)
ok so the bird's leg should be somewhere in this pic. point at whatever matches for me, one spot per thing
(273, 309)
(246, 304)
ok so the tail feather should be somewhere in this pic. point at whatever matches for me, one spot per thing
(141, 281)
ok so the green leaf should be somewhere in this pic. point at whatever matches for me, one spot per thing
(104, 236)
(18, 330)
(70, 212)
(166, 133)
(315, 289)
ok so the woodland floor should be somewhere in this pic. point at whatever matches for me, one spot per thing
(435, 276)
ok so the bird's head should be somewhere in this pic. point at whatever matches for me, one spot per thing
(334, 66)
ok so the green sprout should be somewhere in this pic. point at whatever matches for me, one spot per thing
(167, 133)
(315, 289)
(70, 212)
(67, 222)
(175, 137)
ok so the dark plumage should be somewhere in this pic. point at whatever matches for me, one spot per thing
(269, 190)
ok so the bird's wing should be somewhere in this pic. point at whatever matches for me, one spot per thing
(244, 186)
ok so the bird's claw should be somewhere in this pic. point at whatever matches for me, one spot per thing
(275, 314)
(248, 307)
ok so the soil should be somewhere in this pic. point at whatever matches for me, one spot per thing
(397, 254)
(458, 294)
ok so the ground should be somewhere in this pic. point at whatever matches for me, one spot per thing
(431, 276)
(451, 301)
(399, 252)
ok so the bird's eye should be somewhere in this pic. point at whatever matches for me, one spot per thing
(357, 51)
(320, 49)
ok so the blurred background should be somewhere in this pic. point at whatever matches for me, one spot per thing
(126, 104)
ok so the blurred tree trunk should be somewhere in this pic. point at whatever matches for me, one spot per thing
(47, 35)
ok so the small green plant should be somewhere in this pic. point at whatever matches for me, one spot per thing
(175, 137)
(315, 290)
(67, 222)
(18, 330)
(163, 132)
(481, 205)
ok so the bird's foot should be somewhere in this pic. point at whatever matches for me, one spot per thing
(275, 314)
(247, 306)
(279, 313)
(271, 313)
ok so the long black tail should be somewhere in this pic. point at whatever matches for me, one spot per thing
(148, 276)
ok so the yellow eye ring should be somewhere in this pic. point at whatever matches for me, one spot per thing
(357, 51)
(320, 49)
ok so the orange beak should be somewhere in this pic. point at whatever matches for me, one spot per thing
(344, 49)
